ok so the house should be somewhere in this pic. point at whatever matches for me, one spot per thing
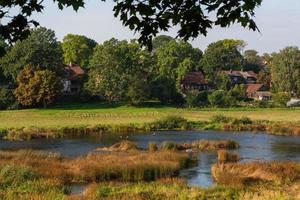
(258, 92)
(241, 77)
(249, 76)
(236, 77)
(72, 82)
(194, 81)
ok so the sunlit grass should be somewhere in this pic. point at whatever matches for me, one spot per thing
(94, 114)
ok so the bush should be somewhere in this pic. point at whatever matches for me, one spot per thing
(220, 98)
(7, 98)
(12, 174)
(170, 122)
(191, 98)
(195, 98)
(243, 120)
(221, 119)
(281, 98)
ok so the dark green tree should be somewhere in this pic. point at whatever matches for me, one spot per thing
(41, 50)
(252, 61)
(112, 66)
(285, 71)
(222, 55)
(176, 58)
(161, 40)
(163, 88)
(138, 89)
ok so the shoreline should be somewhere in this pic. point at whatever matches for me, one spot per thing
(169, 123)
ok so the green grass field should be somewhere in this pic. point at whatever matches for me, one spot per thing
(93, 114)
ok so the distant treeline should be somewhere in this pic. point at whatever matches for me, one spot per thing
(41, 70)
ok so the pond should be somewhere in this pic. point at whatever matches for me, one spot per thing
(254, 146)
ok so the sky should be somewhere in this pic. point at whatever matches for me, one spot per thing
(278, 21)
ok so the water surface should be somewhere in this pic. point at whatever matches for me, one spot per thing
(254, 146)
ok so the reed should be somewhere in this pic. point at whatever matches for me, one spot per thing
(124, 166)
(227, 156)
(171, 189)
(274, 172)
(152, 147)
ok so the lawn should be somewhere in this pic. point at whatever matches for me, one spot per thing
(99, 113)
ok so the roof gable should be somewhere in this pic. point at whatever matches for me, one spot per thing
(194, 78)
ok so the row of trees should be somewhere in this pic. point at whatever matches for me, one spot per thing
(125, 71)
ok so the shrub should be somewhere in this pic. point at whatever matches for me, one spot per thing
(7, 99)
(243, 121)
(281, 98)
(13, 174)
(191, 98)
(220, 98)
(221, 119)
(171, 122)
(195, 98)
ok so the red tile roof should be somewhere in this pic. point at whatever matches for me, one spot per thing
(252, 88)
(74, 71)
(194, 78)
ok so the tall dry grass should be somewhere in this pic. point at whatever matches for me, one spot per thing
(124, 166)
(254, 172)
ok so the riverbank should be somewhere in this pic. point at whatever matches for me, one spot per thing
(174, 122)
(139, 175)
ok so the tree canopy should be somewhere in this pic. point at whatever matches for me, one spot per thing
(113, 65)
(77, 49)
(252, 61)
(41, 50)
(176, 58)
(37, 86)
(193, 17)
(285, 70)
(222, 55)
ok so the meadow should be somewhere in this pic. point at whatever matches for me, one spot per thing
(118, 114)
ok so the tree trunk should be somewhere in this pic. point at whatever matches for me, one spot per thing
(45, 104)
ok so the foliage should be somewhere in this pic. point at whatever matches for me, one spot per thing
(281, 98)
(7, 98)
(285, 71)
(252, 61)
(163, 89)
(138, 89)
(264, 77)
(221, 82)
(148, 18)
(77, 49)
(176, 58)
(238, 92)
(191, 98)
(170, 122)
(222, 55)
(113, 65)
(160, 41)
(195, 98)
(41, 50)
(220, 98)
(35, 87)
